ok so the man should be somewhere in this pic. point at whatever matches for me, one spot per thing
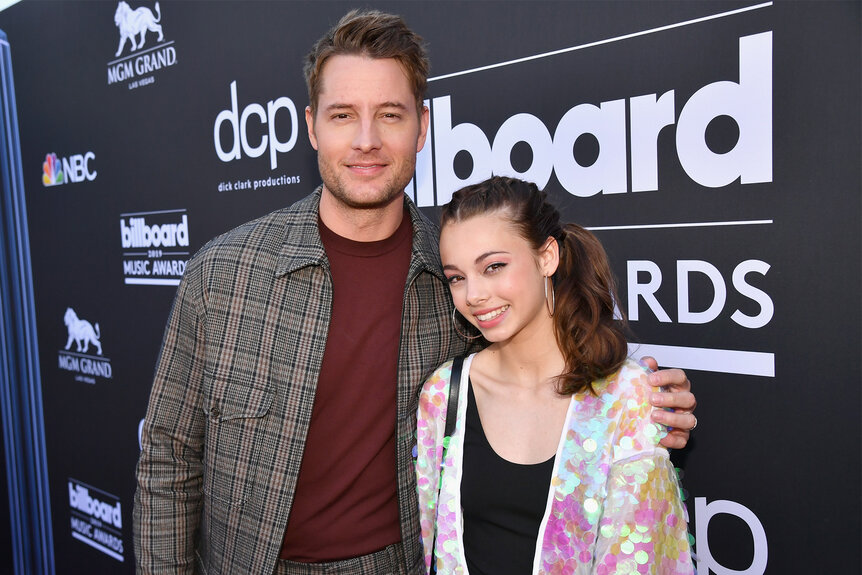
(281, 423)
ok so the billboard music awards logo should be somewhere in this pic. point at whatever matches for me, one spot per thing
(139, 67)
(73, 169)
(747, 102)
(96, 518)
(155, 246)
(83, 352)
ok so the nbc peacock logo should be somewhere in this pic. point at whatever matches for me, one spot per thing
(68, 170)
(52, 171)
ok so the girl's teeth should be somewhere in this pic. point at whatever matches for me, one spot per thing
(492, 314)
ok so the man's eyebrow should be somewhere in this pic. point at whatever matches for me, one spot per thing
(338, 106)
(346, 106)
(398, 105)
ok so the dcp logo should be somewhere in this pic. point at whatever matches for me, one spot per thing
(239, 124)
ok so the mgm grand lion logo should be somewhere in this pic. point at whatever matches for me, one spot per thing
(136, 22)
(82, 332)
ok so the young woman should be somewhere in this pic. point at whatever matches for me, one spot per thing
(554, 465)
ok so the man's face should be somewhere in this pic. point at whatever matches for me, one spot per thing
(366, 130)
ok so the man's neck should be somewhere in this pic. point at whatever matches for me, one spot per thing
(358, 224)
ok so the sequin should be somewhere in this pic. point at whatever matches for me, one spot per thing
(650, 430)
(614, 506)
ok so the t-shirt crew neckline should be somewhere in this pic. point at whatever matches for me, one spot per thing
(376, 248)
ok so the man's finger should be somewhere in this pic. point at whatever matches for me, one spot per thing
(682, 420)
(676, 439)
(675, 379)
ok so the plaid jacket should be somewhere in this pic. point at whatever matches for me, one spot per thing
(234, 386)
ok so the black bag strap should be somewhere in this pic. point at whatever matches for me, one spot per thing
(452, 404)
(448, 430)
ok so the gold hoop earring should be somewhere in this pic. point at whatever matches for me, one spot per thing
(461, 333)
(552, 304)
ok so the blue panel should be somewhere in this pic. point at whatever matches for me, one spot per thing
(20, 380)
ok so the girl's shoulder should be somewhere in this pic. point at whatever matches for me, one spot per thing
(435, 391)
(629, 381)
(627, 393)
(438, 381)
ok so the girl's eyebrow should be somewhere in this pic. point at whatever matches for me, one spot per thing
(478, 259)
(489, 254)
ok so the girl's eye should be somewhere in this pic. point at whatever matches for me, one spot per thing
(451, 280)
(495, 267)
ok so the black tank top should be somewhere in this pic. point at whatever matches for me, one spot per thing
(503, 504)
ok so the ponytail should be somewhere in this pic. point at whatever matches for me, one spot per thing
(593, 342)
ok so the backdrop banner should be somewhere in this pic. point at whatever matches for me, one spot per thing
(714, 147)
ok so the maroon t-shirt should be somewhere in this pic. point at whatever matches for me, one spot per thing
(346, 500)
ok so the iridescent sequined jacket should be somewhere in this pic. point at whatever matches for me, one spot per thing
(614, 502)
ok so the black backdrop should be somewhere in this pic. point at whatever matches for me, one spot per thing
(730, 209)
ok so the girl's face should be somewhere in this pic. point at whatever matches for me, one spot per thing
(496, 278)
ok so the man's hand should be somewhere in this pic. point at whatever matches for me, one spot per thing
(678, 397)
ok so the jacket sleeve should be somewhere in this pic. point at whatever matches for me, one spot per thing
(431, 419)
(643, 526)
(168, 500)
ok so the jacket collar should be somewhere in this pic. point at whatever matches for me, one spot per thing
(303, 247)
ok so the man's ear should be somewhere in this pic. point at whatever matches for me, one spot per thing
(309, 122)
(424, 119)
